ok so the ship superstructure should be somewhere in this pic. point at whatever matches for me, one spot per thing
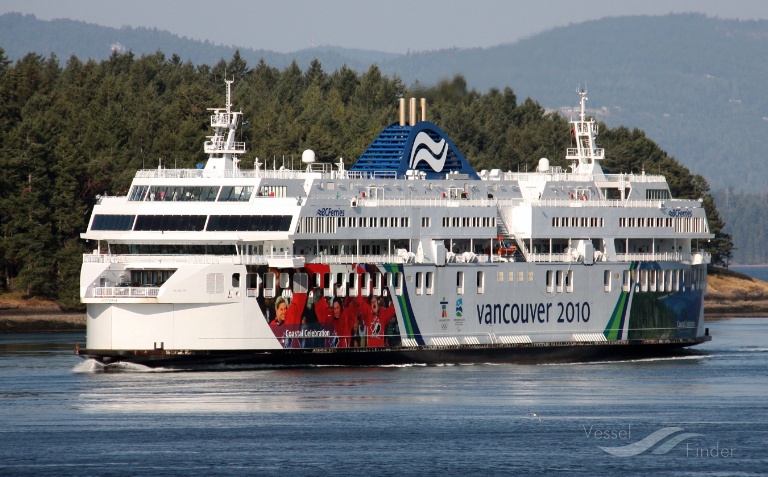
(410, 255)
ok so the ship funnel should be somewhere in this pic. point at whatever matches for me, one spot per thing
(412, 111)
(402, 112)
(423, 109)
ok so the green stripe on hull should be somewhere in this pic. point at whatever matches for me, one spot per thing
(615, 324)
(407, 319)
(409, 322)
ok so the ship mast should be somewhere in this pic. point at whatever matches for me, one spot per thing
(586, 154)
(222, 149)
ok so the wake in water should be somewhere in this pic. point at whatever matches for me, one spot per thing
(637, 360)
(89, 366)
(93, 366)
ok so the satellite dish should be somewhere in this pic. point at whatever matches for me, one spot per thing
(308, 156)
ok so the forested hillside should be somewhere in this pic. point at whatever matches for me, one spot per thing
(694, 84)
(747, 221)
(69, 133)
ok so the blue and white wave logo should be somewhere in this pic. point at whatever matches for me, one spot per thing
(643, 445)
(427, 150)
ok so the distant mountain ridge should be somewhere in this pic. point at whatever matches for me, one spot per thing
(21, 34)
(694, 84)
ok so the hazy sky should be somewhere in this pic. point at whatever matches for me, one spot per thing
(389, 25)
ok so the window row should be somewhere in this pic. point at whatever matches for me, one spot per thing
(340, 284)
(469, 222)
(139, 278)
(691, 224)
(187, 223)
(193, 223)
(578, 221)
(113, 222)
(656, 280)
(425, 282)
(381, 222)
(317, 225)
(372, 284)
(645, 222)
(559, 280)
(344, 249)
(681, 224)
(314, 225)
(657, 194)
(143, 278)
(273, 191)
(510, 276)
(191, 193)
(171, 249)
(249, 223)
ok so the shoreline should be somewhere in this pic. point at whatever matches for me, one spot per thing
(47, 320)
(726, 315)
(730, 295)
(35, 320)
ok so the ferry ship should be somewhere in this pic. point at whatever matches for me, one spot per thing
(408, 256)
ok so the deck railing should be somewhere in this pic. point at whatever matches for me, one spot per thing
(620, 257)
(425, 202)
(164, 259)
(658, 257)
(694, 258)
(242, 259)
(326, 171)
(654, 204)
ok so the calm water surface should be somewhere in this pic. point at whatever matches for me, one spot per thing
(702, 414)
(759, 272)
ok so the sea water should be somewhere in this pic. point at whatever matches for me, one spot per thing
(704, 413)
(756, 271)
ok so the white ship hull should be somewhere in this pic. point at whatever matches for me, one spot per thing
(515, 320)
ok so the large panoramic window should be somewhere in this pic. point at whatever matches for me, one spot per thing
(112, 222)
(138, 192)
(171, 249)
(174, 193)
(249, 223)
(235, 193)
(187, 223)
